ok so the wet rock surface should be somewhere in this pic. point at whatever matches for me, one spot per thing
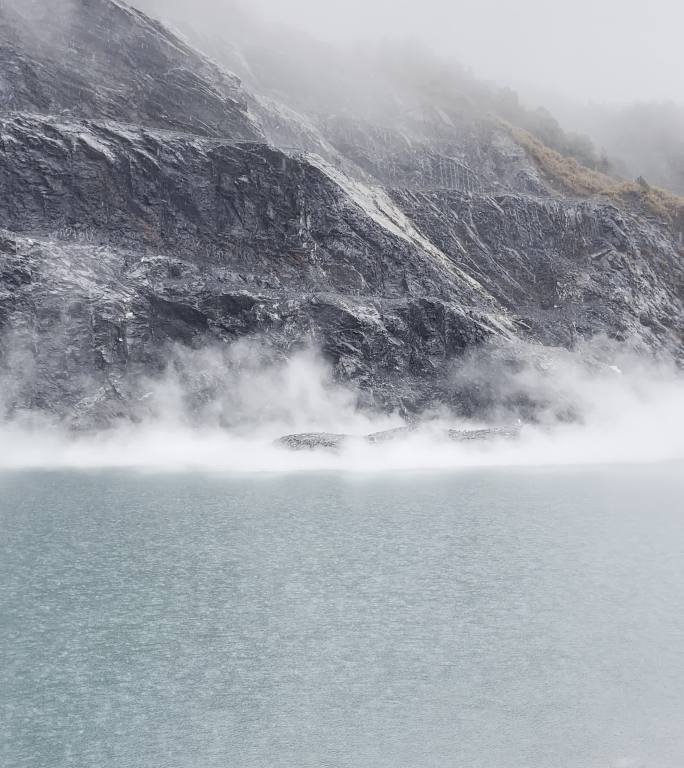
(150, 199)
(310, 441)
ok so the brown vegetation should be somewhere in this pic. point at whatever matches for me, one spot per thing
(576, 179)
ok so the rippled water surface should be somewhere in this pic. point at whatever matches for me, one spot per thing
(484, 618)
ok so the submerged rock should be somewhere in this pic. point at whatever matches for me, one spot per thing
(325, 440)
(309, 441)
(489, 433)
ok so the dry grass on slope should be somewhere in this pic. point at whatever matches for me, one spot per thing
(578, 180)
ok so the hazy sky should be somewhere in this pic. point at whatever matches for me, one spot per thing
(607, 50)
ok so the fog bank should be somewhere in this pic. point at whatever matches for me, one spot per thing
(575, 408)
(609, 51)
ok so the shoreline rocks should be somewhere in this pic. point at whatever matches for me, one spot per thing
(310, 441)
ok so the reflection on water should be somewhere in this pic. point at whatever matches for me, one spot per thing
(487, 618)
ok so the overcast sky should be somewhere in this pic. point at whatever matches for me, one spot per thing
(605, 50)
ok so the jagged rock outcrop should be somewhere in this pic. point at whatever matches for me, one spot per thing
(148, 198)
(89, 59)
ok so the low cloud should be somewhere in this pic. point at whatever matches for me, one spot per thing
(223, 409)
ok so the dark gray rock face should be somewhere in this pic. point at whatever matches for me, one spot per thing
(567, 269)
(106, 60)
(147, 199)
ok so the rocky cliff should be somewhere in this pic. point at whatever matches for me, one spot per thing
(148, 198)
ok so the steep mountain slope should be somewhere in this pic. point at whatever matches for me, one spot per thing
(94, 59)
(149, 199)
(644, 139)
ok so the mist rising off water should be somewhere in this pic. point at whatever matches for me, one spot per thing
(223, 410)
